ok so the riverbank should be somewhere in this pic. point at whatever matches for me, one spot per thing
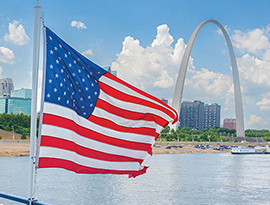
(186, 150)
(14, 149)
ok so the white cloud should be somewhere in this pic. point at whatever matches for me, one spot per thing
(6, 55)
(164, 81)
(78, 24)
(226, 108)
(153, 66)
(163, 37)
(253, 119)
(17, 34)
(264, 104)
(1, 71)
(254, 73)
(209, 86)
(88, 52)
(157, 66)
(252, 41)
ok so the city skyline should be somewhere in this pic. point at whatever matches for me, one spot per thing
(144, 42)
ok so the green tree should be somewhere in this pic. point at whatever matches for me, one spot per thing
(23, 137)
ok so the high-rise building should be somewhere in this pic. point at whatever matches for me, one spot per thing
(164, 100)
(199, 116)
(19, 101)
(229, 123)
(6, 86)
(192, 114)
(212, 115)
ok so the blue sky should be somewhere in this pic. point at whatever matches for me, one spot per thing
(145, 40)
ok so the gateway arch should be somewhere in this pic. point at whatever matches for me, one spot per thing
(178, 91)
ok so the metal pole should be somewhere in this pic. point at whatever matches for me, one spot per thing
(192, 136)
(36, 47)
(19, 199)
(13, 133)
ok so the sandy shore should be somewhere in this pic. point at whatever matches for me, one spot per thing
(14, 149)
(185, 150)
(22, 148)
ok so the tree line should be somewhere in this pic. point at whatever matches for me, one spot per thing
(19, 123)
(215, 134)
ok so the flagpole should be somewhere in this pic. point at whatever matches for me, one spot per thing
(36, 47)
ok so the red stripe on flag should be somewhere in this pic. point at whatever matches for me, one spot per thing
(130, 114)
(71, 125)
(72, 166)
(112, 77)
(49, 141)
(109, 124)
(131, 99)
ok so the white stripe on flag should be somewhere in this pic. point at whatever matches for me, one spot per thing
(132, 106)
(99, 112)
(68, 113)
(120, 87)
(65, 134)
(56, 153)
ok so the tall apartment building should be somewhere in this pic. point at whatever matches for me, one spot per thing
(19, 101)
(212, 115)
(192, 114)
(229, 123)
(6, 86)
(199, 116)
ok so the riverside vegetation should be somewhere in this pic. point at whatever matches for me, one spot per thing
(20, 123)
(216, 134)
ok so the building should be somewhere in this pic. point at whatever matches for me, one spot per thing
(6, 86)
(229, 123)
(212, 115)
(199, 116)
(19, 101)
(22, 93)
(108, 68)
(192, 114)
(164, 100)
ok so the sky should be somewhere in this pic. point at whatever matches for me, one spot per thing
(144, 42)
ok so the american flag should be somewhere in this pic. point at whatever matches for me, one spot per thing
(91, 121)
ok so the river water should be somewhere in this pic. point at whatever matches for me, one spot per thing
(171, 179)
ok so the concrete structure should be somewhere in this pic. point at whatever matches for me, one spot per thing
(212, 115)
(19, 101)
(176, 104)
(229, 123)
(6, 86)
(192, 114)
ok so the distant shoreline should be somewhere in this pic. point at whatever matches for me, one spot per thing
(16, 149)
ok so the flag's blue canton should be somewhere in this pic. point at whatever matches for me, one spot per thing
(71, 79)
